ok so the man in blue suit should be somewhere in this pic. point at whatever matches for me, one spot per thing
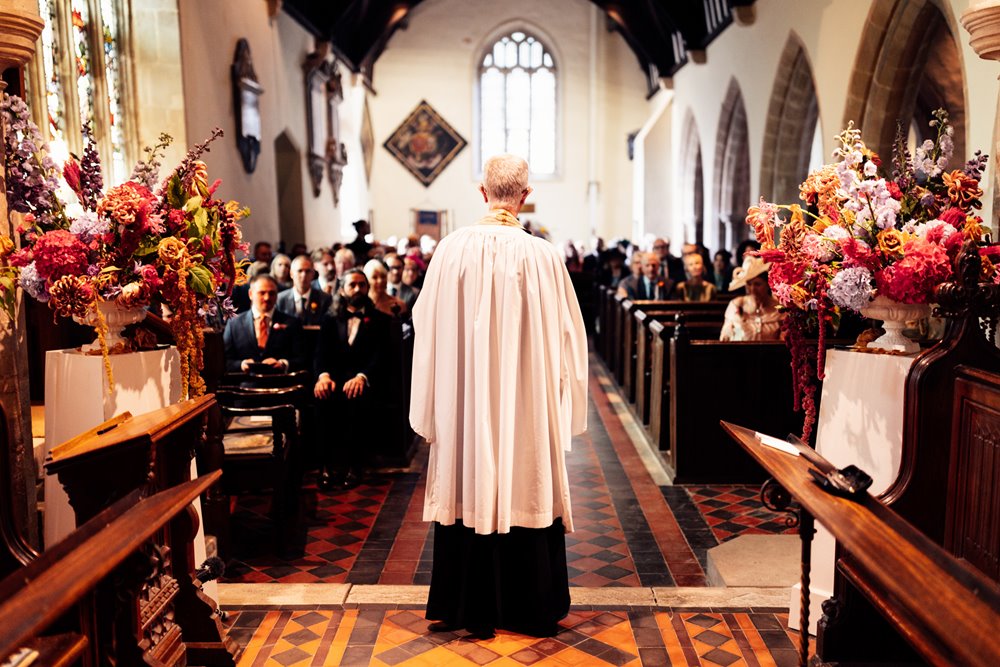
(263, 334)
(303, 301)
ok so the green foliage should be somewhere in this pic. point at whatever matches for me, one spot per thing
(200, 280)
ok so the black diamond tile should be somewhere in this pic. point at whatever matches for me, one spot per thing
(309, 619)
(336, 554)
(290, 657)
(343, 540)
(704, 621)
(712, 638)
(352, 526)
(604, 541)
(608, 556)
(612, 571)
(720, 657)
(278, 571)
(301, 637)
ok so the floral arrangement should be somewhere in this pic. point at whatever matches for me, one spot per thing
(861, 234)
(142, 242)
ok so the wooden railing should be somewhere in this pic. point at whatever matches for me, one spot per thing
(105, 594)
(947, 611)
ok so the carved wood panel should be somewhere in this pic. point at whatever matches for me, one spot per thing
(973, 516)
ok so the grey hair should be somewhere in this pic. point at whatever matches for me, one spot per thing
(374, 266)
(505, 178)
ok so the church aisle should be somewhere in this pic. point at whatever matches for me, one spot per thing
(636, 560)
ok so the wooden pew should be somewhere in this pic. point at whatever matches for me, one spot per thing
(624, 355)
(107, 594)
(702, 324)
(149, 453)
(748, 383)
(945, 610)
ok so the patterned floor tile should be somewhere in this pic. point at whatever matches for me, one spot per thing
(400, 637)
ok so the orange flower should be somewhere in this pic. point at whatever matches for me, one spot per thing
(963, 190)
(891, 242)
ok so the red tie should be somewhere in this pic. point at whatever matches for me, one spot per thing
(262, 331)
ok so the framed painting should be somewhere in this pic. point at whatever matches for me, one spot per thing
(424, 143)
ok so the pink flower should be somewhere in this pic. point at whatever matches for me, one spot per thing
(58, 253)
(912, 279)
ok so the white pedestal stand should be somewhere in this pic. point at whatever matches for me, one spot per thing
(860, 422)
(77, 399)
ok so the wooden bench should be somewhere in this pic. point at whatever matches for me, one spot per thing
(702, 325)
(108, 593)
(748, 383)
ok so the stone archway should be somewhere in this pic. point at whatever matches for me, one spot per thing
(912, 67)
(290, 189)
(732, 171)
(791, 126)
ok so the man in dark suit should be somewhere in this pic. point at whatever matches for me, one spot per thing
(650, 285)
(303, 301)
(394, 281)
(350, 363)
(670, 265)
(263, 335)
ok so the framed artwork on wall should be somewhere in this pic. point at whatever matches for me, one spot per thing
(430, 222)
(246, 101)
(424, 143)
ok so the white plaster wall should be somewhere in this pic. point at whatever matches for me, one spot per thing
(278, 47)
(436, 59)
(832, 32)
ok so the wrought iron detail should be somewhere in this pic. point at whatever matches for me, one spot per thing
(775, 498)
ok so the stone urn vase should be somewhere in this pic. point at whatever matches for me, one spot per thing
(116, 318)
(894, 316)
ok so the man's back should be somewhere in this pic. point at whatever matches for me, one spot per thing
(500, 368)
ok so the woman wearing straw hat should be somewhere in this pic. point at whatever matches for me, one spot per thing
(754, 316)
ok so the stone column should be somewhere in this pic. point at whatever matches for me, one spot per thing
(982, 21)
(20, 27)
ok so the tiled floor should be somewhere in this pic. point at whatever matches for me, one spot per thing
(632, 536)
(589, 637)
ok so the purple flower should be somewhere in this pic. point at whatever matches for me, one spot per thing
(851, 288)
(88, 226)
(32, 283)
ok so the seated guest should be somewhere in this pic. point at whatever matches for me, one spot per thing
(343, 259)
(281, 267)
(754, 316)
(241, 293)
(298, 249)
(326, 271)
(350, 364)
(377, 275)
(262, 335)
(262, 252)
(651, 286)
(671, 265)
(695, 287)
(723, 265)
(303, 300)
(412, 273)
(394, 281)
(612, 269)
(635, 263)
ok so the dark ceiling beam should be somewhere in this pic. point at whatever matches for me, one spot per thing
(663, 34)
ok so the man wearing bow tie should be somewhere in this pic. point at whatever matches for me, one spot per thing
(350, 355)
(262, 335)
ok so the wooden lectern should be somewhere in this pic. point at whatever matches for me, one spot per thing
(151, 453)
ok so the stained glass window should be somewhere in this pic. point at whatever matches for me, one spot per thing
(56, 110)
(82, 60)
(112, 66)
(517, 101)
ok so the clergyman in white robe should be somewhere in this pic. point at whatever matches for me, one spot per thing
(499, 379)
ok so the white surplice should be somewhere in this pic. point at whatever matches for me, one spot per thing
(499, 380)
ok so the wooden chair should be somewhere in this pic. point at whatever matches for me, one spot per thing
(261, 438)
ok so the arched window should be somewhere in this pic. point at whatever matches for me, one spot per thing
(78, 77)
(517, 101)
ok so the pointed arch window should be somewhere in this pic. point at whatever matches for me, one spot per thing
(517, 101)
(79, 75)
